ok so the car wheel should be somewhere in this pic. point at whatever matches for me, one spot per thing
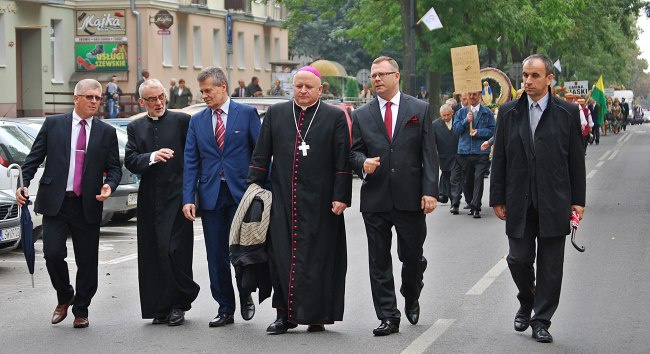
(125, 216)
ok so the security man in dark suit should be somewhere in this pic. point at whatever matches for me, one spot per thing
(79, 149)
(393, 151)
(538, 180)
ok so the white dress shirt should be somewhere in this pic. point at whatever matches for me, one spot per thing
(394, 109)
(76, 127)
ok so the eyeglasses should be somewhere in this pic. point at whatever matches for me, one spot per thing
(155, 99)
(91, 97)
(381, 75)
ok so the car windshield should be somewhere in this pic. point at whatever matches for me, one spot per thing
(14, 145)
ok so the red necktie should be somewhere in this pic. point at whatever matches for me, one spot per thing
(388, 120)
(80, 156)
(219, 129)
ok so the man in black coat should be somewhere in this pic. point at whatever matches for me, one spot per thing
(538, 180)
(79, 149)
(393, 151)
(447, 145)
(165, 237)
(625, 110)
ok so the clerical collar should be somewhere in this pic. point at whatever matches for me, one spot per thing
(156, 118)
(304, 108)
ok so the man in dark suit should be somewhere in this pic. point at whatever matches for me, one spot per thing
(625, 110)
(538, 179)
(594, 108)
(393, 151)
(218, 149)
(446, 145)
(79, 149)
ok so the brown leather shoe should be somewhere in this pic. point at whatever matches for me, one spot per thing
(80, 322)
(61, 311)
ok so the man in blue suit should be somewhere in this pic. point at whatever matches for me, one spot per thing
(218, 149)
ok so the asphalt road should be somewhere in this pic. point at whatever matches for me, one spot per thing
(468, 302)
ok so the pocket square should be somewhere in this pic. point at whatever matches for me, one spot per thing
(237, 131)
(413, 121)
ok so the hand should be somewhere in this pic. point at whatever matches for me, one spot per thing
(428, 203)
(579, 210)
(469, 116)
(338, 207)
(104, 193)
(473, 132)
(21, 198)
(500, 211)
(189, 210)
(371, 164)
(164, 154)
(485, 145)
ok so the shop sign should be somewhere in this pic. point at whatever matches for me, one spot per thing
(101, 56)
(101, 23)
(163, 19)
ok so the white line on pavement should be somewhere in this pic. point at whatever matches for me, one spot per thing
(628, 137)
(613, 155)
(120, 259)
(591, 174)
(598, 165)
(488, 278)
(621, 138)
(426, 339)
(605, 154)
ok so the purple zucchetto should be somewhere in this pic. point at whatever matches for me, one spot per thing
(311, 69)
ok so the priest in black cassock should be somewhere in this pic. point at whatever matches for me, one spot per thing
(307, 142)
(165, 237)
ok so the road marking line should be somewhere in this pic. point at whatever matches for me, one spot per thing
(598, 165)
(119, 229)
(628, 137)
(621, 138)
(488, 278)
(591, 174)
(426, 339)
(613, 155)
(120, 259)
(605, 154)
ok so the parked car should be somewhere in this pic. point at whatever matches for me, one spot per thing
(9, 222)
(15, 144)
(121, 206)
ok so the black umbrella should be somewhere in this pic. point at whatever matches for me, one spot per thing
(26, 225)
(575, 222)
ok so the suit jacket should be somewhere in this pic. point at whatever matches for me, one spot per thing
(204, 161)
(409, 163)
(183, 99)
(173, 91)
(238, 91)
(446, 143)
(547, 170)
(53, 142)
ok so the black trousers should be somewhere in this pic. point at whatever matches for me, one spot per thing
(411, 233)
(450, 184)
(85, 241)
(473, 170)
(542, 296)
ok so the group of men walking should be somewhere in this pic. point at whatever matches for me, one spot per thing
(303, 152)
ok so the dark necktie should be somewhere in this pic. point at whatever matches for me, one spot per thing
(220, 129)
(388, 120)
(80, 156)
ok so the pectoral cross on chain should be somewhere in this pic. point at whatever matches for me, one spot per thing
(303, 147)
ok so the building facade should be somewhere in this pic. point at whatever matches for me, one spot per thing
(47, 46)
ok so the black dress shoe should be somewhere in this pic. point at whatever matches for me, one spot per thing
(467, 206)
(522, 319)
(413, 312)
(222, 319)
(541, 335)
(280, 326)
(454, 209)
(386, 327)
(176, 317)
(477, 214)
(160, 320)
(247, 308)
(470, 212)
(443, 199)
(315, 328)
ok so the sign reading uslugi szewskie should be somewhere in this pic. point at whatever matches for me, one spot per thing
(101, 56)
(577, 87)
(110, 22)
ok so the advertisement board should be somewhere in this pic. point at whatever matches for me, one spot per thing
(101, 56)
(109, 22)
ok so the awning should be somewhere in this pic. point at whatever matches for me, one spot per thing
(329, 68)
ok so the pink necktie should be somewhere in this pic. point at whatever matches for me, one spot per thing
(80, 156)
(220, 129)
(388, 120)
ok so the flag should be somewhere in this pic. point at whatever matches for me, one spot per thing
(598, 94)
(431, 20)
(557, 65)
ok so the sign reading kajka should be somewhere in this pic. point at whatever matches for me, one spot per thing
(101, 22)
(466, 68)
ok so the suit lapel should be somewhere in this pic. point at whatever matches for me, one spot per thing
(92, 141)
(206, 127)
(402, 112)
(524, 126)
(375, 114)
(67, 136)
(233, 115)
